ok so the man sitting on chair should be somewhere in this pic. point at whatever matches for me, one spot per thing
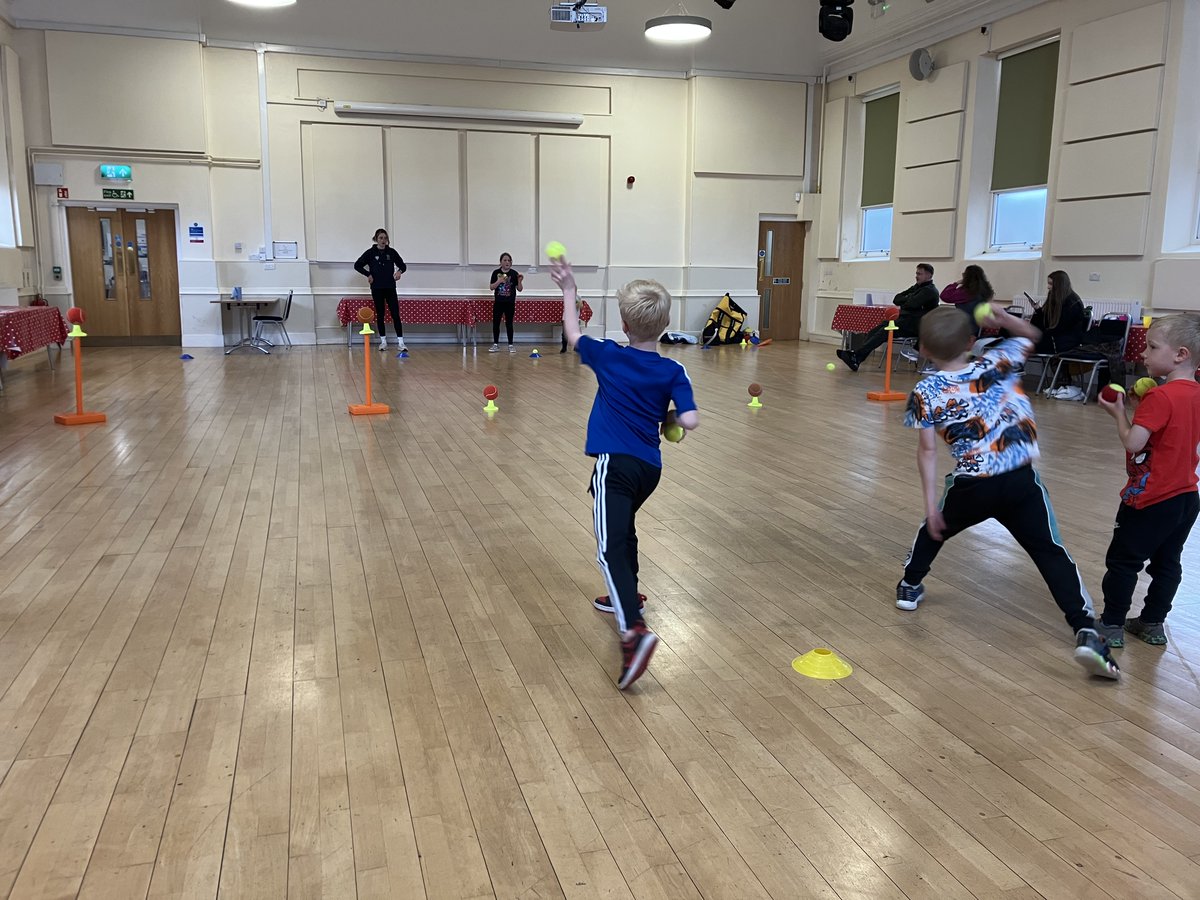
(914, 303)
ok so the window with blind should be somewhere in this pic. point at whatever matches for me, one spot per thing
(878, 174)
(1021, 160)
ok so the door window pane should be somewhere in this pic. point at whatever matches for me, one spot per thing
(106, 255)
(143, 260)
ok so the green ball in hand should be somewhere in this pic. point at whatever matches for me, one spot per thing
(673, 432)
(555, 250)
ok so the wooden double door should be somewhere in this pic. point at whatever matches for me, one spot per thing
(125, 274)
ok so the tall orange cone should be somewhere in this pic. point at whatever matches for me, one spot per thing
(79, 417)
(366, 316)
(887, 393)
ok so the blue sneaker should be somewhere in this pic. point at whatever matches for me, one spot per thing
(1091, 652)
(909, 596)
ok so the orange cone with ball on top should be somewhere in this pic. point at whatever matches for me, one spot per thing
(79, 417)
(366, 315)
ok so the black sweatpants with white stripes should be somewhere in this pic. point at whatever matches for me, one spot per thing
(620, 485)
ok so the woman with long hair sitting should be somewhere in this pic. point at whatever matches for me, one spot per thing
(1062, 318)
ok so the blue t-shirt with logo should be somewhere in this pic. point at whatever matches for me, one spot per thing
(635, 389)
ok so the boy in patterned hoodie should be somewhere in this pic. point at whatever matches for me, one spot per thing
(978, 408)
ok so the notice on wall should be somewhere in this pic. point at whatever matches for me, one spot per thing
(195, 233)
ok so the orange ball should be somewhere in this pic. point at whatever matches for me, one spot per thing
(892, 312)
(754, 390)
(75, 315)
(366, 314)
(491, 392)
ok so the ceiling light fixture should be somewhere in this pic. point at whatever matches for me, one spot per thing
(678, 28)
(420, 110)
(264, 4)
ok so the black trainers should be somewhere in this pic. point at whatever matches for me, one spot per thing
(1114, 635)
(909, 596)
(605, 605)
(1091, 652)
(1150, 632)
(636, 653)
(848, 357)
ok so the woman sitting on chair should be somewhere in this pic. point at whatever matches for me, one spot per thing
(1061, 318)
(969, 291)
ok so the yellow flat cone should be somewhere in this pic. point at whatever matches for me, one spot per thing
(822, 663)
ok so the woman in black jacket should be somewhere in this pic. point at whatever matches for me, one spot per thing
(382, 266)
(1061, 318)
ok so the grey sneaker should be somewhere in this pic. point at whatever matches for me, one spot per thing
(1150, 632)
(512, 349)
(909, 596)
(495, 348)
(1114, 635)
(1091, 652)
(383, 345)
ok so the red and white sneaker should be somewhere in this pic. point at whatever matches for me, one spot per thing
(636, 652)
(605, 605)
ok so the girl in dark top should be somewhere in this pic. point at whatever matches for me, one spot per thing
(505, 283)
(383, 267)
(968, 292)
(1061, 318)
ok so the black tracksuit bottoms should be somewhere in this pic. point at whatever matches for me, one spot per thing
(1156, 533)
(620, 485)
(1019, 502)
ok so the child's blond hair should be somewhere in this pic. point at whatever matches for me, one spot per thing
(1180, 331)
(946, 332)
(645, 309)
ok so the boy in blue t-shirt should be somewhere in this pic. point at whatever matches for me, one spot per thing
(635, 389)
(979, 410)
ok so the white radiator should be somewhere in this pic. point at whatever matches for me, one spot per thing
(1100, 308)
(873, 297)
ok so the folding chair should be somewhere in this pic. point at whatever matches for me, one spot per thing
(1113, 327)
(260, 321)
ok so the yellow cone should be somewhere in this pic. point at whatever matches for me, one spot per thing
(822, 663)
(76, 331)
(755, 403)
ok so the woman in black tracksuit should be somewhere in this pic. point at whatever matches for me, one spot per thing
(383, 267)
(505, 283)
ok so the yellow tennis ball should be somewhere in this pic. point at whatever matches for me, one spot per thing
(555, 250)
(673, 433)
(1144, 385)
(982, 312)
(830, 367)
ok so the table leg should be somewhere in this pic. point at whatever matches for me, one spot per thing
(49, 358)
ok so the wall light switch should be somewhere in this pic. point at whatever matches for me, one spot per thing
(269, 267)
(237, 248)
(1095, 276)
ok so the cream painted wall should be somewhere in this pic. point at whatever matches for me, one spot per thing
(696, 233)
(1081, 235)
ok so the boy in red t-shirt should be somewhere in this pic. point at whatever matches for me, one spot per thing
(1159, 502)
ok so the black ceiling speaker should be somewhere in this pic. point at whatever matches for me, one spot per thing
(726, 4)
(837, 19)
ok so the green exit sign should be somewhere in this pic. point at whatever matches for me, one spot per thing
(116, 172)
(117, 194)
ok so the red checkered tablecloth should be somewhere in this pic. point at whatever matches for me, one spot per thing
(859, 319)
(24, 329)
(1135, 345)
(414, 310)
(544, 312)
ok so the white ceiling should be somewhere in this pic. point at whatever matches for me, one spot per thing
(755, 36)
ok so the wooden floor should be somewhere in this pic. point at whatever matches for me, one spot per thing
(253, 647)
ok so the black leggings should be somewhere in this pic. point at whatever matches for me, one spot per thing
(1019, 502)
(387, 295)
(502, 309)
(1156, 533)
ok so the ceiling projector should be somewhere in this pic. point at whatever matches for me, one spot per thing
(578, 14)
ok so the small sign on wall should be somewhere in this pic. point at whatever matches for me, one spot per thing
(195, 233)
(117, 194)
(64, 193)
(781, 281)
